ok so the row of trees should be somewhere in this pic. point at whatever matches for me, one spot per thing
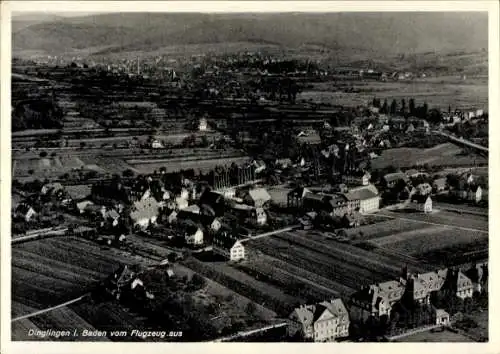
(407, 109)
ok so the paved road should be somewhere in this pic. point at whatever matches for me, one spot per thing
(50, 308)
(462, 141)
(270, 233)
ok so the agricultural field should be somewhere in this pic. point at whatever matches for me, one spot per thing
(441, 217)
(418, 241)
(203, 165)
(238, 281)
(50, 271)
(381, 229)
(51, 167)
(436, 92)
(339, 267)
(444, 154)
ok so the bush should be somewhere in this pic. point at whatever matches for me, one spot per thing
(197, 282)
(250, 309)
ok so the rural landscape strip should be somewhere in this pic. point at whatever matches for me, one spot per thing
(40, 312)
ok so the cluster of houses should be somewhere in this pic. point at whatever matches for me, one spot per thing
(458, 116)
(330, 320)
(198, 214)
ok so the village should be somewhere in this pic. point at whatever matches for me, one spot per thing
(223, 191)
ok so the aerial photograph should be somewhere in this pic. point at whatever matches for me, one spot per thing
(249, 177)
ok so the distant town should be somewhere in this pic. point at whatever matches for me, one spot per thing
(219, 198)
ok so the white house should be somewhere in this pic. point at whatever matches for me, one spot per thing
(261, 216)
(156, 144)
(202, 126)
(228, 247)
(194, 236)
(422, 203)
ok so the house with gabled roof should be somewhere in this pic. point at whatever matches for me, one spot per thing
(144, 212)
(257, 197)
(228, 246)
(51, 188)
(391, 179)
(295, 197)
(321, 322)
(422, 203)
(365, 198)
(376, 300)
(25, 211)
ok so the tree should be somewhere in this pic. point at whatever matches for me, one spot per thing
(412, 106)
(425, 109)
(197, 282)
(394, 107)
(128, 173)
(83, 144)
(250, 309)
(403, 105)
(385, 107)
(43, 154)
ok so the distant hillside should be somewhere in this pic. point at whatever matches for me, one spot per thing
(383, 33)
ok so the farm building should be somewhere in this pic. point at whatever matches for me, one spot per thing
(471, 193)
(422, 203)
(78, 192)
(322, 322)
(391, 179)
(228, 246)
(362, 179)
(257, 197)
(367, 197)
(144, 212)
(25, 211)
(295, 197)
(51, 188)
(194, 234)
(441, 317)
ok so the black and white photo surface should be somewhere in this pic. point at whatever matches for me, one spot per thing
(249, 177)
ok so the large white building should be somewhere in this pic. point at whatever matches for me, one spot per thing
(368, 197)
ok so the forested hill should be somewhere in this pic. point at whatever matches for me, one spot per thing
(380, 33)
